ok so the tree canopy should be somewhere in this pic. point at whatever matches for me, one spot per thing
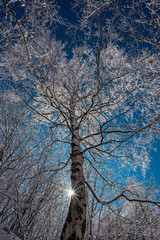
(87, 108)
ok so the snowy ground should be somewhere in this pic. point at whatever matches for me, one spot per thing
(7, 236)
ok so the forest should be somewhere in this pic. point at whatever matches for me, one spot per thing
(79, 119)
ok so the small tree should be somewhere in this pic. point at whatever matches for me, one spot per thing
(30, 191)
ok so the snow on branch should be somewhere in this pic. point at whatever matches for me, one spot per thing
(121, 195)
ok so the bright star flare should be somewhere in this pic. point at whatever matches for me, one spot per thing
(70, 193)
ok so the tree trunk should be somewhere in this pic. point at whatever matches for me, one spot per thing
(75, 224)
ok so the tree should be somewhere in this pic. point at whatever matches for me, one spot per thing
(27, 194)
(125, 220)
(100, 105)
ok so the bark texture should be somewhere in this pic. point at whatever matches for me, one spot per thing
(75, 224)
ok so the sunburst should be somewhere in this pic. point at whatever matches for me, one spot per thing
(70, 193)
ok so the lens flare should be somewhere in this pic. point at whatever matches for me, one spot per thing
(70, 193)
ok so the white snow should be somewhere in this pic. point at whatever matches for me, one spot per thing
(7, 236)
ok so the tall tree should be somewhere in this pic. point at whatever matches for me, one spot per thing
(101, 104)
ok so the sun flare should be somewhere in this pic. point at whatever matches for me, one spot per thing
(70, 192)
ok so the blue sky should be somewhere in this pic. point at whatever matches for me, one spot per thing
(155, 163)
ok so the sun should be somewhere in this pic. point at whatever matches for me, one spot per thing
(70, 193)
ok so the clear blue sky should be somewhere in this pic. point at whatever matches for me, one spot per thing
(155, 163)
